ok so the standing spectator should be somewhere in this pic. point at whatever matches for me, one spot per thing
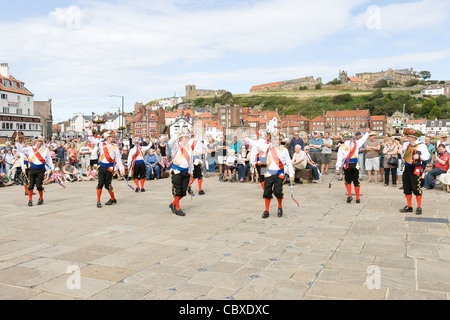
(296, 140)
(327, 151)
(316, 146)
(236, 145)
(85, 157)
(310, 164)
(361, 156)
(211, 155)
(93, 158)
(431, 149)
(221, 148)
(59, 155)
(441, 158)
(398, 143)
(243, 163)
(373, 148)
(390, 150)
(72, 155)
(9, 159)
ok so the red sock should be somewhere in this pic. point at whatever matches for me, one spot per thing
(190, 182)
(357, 190)
(267, 204)
(349, 189)
(409, 200)
(111, 193)
(142, 183)
(99, 194)
(280, 203)
(26, 187)
(136, 182)
(262, 185)
(41, 194)
(200, 181)
(176, 202)
(30, 195)
(419, 201)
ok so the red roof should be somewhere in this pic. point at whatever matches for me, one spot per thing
(348, 113)
(355, 79)
(12, 89)
(267, 85)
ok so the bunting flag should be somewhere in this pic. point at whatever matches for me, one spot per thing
(370, 119)
(188, 118)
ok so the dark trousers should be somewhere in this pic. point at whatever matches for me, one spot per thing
(432, 174)
(351, 175)
(261, 169)
(36, 179)
(315, 171)
(242, 171)
(273, 185)
(104, 178)
(139, 171)
(180, 183)
(412, 179)
(198, 172)
(393, 171)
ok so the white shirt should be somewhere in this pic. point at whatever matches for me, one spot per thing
(179, 159)
(32, 155)
(345, 148)
(140, 156)
(112, 148)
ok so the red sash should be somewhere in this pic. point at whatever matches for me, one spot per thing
(194, 144)
(275, 157)
(38, 155)
(106, 153)
(350, 154)
(185, 153)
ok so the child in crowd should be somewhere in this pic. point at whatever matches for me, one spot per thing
(57, 176)
(91, 174)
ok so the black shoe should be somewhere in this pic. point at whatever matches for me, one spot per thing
(26, 193)
(418, 211)
(110, 202)
(358, 200)
(99, 204)
(180, 212)
(40, 202)
(136, 190)
(280, 212)
(173, 208)
(201, 192)
(189, 190)
(265, 214)
(349, 199)
(142, 190)
(30, 203)
(406, 209)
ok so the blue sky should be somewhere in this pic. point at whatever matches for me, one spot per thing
(80, 52)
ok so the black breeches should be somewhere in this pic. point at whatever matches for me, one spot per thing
(139, 171)
(412, 179)
(104, 178)
(36, 177)
(180, 183)
(351, 175)
(273, 185)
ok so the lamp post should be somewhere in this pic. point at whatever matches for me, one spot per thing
(123, 99)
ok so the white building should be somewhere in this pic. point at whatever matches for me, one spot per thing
(113, 122)
(180, 123)
(438, 127)
(16, 107)
(170, 102)
(419, 124)
(433, 91)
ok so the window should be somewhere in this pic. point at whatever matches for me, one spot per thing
(4, 96)
(5, 110)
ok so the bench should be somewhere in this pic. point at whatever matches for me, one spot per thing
(305, 174)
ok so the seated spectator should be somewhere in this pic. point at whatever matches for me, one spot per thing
(48, 177)
(299, 160)
(313, 166)
(160, 160)
(57, 176)
(5, 181)
(152, 164)
(427, 170)
(441, 160)
(91, 174)
(230, 166)
(243, 163)
(70, 172)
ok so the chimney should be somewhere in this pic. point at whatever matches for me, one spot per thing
(4, 70)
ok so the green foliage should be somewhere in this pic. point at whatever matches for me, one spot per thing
(342, 98)
(381, 84)
(425, 74)
(334, 82)
(411, 83)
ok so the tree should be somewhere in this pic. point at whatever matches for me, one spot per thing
(425, 74)
(427, 106)
(381, 84)
(411, 83)
(435, 113)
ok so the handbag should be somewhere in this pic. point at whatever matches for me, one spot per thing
(393, 161)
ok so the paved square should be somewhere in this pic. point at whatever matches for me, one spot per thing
(222, 248)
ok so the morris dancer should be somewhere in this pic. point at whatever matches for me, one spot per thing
(347, 157)
(25, 165)
(198, 150)
(182, 169)
(39, 156)
(277, 158)
(109, 154)
(260, 163)
(136, 163)
(413, 152)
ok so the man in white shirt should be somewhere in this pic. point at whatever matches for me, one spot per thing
(198, 150)
(347, 158)
(277, 159)
(182, 169)
(85, 157)
(39, 157)
(136, 163)
(109, 156)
